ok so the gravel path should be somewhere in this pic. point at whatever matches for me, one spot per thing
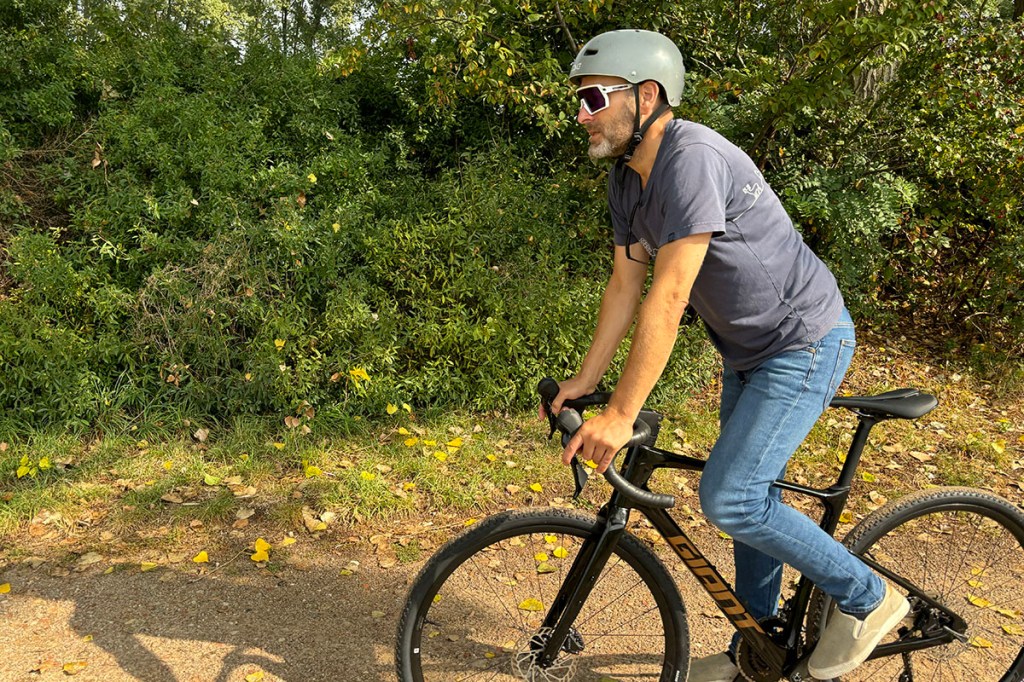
(305, 623)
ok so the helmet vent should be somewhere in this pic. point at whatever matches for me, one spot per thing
(589, 53)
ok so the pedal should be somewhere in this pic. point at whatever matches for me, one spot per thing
(800, 673)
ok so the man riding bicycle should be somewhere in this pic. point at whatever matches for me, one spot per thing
(687, 199)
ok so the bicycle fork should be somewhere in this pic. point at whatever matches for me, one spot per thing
(578, 584)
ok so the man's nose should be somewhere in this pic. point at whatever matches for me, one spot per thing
(583, 116)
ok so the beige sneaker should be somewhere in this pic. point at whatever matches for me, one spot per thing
(848, 641)
(717, 668)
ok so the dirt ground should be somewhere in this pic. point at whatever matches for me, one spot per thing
(305, 621)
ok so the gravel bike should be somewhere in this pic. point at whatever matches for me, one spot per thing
(551, 595)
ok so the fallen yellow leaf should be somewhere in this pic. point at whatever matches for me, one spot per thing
(74, 667)
(148, 566)
(5, 588)
(262, 548)
(1013, 629)
(392, 408)
(455, 443)
(979, 642)
(404, 431)
(560, 553)
(846, 517)
(531, 604)
(254, 677)
(286, 542)
(536, 487)
(168, 465)
(551, 539)
(441, 456)
(980, 602)
(540, 556)
(201, 558)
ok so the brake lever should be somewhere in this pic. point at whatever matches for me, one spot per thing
(580, 475)
(551, 421)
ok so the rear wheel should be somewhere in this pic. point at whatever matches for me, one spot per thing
(475, 609)
(965, 549)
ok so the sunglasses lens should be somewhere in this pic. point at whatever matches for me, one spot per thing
(592, 98)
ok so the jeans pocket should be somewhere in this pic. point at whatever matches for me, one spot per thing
(813, 352)
(843, 359)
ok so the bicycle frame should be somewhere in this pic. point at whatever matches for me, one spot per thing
(780, 650)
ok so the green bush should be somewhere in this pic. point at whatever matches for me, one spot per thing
(213, 214)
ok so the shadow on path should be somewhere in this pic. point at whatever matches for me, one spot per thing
(163, 625)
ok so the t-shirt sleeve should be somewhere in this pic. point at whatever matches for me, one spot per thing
(698, 184)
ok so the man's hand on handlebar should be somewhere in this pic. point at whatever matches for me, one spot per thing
(599, 439)
(568, 390)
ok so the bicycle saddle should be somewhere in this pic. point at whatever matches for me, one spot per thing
(903, 403)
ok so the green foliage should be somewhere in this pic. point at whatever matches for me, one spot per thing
(222, 209)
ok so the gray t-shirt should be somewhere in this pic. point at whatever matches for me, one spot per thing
(761, 290)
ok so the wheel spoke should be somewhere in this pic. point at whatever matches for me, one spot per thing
(496, 592)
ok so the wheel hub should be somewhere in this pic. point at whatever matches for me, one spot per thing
(563, 669)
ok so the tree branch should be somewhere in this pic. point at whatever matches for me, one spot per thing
(565, 28)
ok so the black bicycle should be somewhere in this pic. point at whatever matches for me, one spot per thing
(553, 595)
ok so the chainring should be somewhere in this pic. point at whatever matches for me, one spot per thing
(752, 668)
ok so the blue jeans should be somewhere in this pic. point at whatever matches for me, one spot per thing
(766, 413)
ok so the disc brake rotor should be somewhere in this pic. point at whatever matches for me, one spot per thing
(524, 663)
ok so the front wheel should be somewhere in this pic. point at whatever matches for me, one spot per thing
(475, 609)
(965, 549)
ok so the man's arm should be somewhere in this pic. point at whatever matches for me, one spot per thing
(618, 309)
(675, 271)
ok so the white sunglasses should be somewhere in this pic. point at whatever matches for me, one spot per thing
(594, 98)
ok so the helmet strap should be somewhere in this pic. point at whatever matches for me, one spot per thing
(640, 130)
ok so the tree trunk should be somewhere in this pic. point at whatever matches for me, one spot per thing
(866, 82)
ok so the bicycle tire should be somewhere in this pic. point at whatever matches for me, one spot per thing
(966, 548)
(468, 613)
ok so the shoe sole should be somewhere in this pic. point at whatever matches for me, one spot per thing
(836, 671)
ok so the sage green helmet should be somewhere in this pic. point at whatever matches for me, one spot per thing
(635, 56)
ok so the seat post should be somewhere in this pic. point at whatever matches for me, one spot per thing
(853, 455)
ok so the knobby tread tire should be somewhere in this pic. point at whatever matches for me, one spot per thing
(519, 522)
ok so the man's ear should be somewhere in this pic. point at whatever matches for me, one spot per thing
(650, 92)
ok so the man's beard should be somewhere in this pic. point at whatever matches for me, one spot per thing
(615, 136)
